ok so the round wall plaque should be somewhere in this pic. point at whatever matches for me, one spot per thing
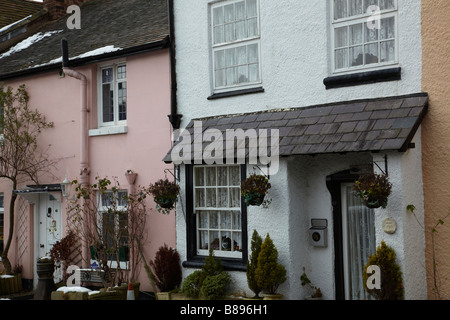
(389, 226)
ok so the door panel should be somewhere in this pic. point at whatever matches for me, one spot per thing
(358, 241)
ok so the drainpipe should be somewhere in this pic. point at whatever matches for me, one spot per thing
(174, 117)
(84, 152)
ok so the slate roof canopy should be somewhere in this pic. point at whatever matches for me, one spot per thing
(130, 27)
(353, 126)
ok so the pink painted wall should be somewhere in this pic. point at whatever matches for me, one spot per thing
(141, 149)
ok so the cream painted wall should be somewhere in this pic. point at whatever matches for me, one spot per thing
(435, 138)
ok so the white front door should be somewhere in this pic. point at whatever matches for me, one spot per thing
(50, 226)
(358, 239)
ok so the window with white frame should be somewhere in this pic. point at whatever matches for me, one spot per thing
(364, 34)
(113, 219)
(113, 95)
(217, 205)
(235, 44)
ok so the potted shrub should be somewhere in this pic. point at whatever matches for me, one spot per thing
(45, 267)
(167, 271)
(62, 251)
(316, 294)
(209, 283)
(252, 264)
(269, 273)
(373, 189)
(165, 194)
(254, 189)
(391, 276)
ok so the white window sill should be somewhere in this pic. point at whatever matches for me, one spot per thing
(108, 131)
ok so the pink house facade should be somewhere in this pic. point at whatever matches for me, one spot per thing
(125, 123)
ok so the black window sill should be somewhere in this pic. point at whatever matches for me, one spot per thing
(235, 93)
(227, 263)
(361, 78)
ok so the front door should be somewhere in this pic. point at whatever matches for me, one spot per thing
(50, 227)
(358, 241)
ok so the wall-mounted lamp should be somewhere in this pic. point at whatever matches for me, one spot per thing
(65, 186)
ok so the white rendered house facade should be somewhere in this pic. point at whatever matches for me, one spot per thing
(340, 81)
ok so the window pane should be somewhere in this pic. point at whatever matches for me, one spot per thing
(252, 10)
(242, 74)
(215, 241)
(252, 27)
(199, 176)
(107, 75)
(241, 30)
(229, 13)
(203, 219)
(387, 4)
(231, 76)
(222, 197)
(356, 7)
(226, 241)
(253, 56)
(200, 197)
(218, 16)
(211, 198)
(236, 220)
(214, 220)
(387, 28)
(235, 198)
(218, 34)
(341, 58)
(340, 37)
(371, 53)
(368, 3)
(203, 240)
(237, 240)
(220, 78)
(253, 73)
(229, 32)
(230, 57)
(122, 98)
(240, 11)
(356, 34)
(340, 9)
(356, 56)
(235, 176)
(210, 176)
(388, 51)
(225, 221)
(371, 34)
(121, 72)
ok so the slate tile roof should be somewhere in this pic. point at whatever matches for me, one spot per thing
(132, 25)
(353, 126)
(15, 10)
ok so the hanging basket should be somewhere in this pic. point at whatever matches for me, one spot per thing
(373, 189)
(254, 189)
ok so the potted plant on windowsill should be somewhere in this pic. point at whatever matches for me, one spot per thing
(373, 189)
(165, 194)
(316, 294)
(254, 189)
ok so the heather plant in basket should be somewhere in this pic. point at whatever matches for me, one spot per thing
(165, 194)
(254, 189)
(373, 189)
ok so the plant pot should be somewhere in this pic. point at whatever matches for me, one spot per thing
(166, 203)
(254, 200)
(10, 284)
(46, 284)
(372, 203)
(267, 296)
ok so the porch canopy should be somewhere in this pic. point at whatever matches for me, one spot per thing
(369, 125)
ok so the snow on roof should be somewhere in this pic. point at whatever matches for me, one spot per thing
(13, 24)
(95, 52)
(28, 42)
(73, 289)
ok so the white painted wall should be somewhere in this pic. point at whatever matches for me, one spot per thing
(295, 39)
(294, 56)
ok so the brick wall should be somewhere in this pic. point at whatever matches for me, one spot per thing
(57, 8)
